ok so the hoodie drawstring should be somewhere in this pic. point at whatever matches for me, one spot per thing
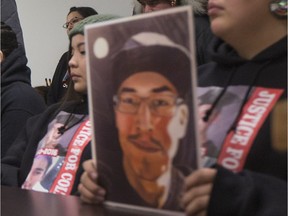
(247, 94)
(209, 111)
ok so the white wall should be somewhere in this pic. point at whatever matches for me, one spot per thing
(44, 38)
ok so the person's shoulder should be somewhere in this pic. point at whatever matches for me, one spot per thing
(22, 93)
(47, 114)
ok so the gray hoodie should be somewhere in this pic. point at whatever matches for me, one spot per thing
(203, 34)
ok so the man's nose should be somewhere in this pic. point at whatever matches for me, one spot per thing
(144, 117)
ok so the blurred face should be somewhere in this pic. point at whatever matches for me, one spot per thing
(202, 109)
(154, 5)
(230, 18)
(77, 64)
(53, 136)
(72, 19)
(143, 120)
(39, 167)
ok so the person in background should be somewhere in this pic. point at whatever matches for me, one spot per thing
(203, 34)
(16, 166)
(9, 15)
(60, 78)
(19, 101)
(250, 176)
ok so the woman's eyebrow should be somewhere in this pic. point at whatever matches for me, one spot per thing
(80, 44)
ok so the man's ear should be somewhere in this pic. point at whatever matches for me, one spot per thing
(1, 56)
(182, 118)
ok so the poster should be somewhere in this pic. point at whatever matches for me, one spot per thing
(141, 88)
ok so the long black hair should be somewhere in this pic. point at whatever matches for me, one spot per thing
(83, 11)
(71, 95)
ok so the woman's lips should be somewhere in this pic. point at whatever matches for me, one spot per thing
(214, 9)
(74, 76)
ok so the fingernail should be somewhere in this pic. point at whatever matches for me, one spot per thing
(93, 175)
(102, 192)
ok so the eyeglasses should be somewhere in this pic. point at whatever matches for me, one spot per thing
(159, 104)
(72, 22)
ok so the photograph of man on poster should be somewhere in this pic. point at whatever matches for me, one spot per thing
(151, 114)
(39, 168)
(145, 72)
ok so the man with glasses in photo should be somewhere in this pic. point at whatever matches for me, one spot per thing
(152, 115)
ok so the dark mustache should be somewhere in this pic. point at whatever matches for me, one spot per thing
(151, 139)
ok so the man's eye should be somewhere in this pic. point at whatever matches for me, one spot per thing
(37, 172)
(159, 102)
(83, 52)
(131, 101)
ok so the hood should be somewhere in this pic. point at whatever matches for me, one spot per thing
(199, 6)
(14, 68)
(224, 54)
